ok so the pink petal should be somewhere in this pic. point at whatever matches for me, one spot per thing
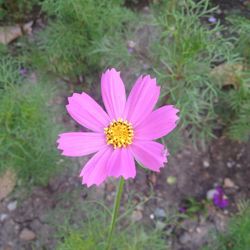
(122, 163)
(79, 143)
(159, 123)
(141, 100)
(87, 112)
(150, 154)
(113, 93)
(95, 171)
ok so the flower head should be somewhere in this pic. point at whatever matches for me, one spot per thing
(212, 19)
(126, 132)
(23, 71)
(219, 198)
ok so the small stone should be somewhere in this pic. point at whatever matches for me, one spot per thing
(189, 225)
(151, 216)
(221, 222)
(171, 180)
(160, 225)
(238, 165)
(206, 164)
(185, 238)
(7, 183)
(211, 193)
(131, 44)
(228, 183)
(218, 11)
(136, 215)
(17, 227)
(160, 213)
(139, 207)
(8, 247)
(230, 164)
(27, 235)
(3, 217)
(12, 205)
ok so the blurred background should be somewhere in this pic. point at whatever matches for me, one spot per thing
(198, 50)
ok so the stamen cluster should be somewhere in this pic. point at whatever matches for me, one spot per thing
(119, 133)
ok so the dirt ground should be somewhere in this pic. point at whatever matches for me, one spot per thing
(24, 222)
(195, 174)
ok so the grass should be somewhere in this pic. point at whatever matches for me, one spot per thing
(17, 11)
(135, 239)
(81, 37)
(27, 126)
(184, 64)
(240, 27)
(85, 225)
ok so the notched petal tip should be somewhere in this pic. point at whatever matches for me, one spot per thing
(124, 176)
(151, 80)
(89, 184)
(148, 77)
(58, 142)
(111, 71)
(74, 95)
(176, 115)
(165, 155)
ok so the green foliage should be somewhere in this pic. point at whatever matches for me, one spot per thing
(237, 101)
(27, 128)
(241, 28)
(82, 36)
(9, 71)
(93, 231)
(185, 52)
(237, 236)
(17, 11)
(75, 241)
(193, 207)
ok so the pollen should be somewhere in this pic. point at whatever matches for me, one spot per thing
(119, 133)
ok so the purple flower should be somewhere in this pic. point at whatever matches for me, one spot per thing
(219, 198)
(130, 50)
(212, 19)
(182, 209)
(23, 71)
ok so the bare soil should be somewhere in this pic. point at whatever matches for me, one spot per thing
(196, 172)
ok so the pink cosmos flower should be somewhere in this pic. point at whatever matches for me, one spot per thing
(126, 132)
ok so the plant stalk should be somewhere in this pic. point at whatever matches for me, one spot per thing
(115, 211)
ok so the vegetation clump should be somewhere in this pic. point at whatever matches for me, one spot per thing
(27, 126)
(188, 57)
(81, 36)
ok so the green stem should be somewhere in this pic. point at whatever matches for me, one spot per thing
(115, 212)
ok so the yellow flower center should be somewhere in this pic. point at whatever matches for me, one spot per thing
(119, 133)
